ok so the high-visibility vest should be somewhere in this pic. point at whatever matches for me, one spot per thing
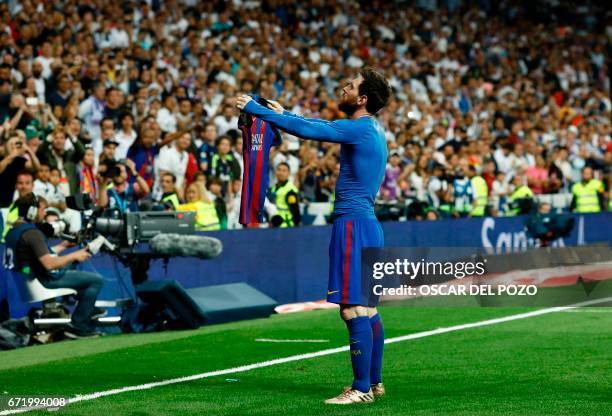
(282, 206)
(587, 199)
(11, 218)
(521, 192)
(482, 196)
(173, 199)
(206, 215)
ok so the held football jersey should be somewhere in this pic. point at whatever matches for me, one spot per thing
(258, 137)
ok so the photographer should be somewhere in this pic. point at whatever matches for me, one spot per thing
(115, 192)
(28, 252)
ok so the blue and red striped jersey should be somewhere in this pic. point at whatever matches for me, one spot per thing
(258, 137)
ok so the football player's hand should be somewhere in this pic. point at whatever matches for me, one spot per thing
(275, 106)
(242, 101)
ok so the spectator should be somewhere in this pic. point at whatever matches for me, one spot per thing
(125, 136)
(91, 112)
(53, 152)
(463, 194)
(59, 188)
(166, 116)
(11, 165)
(223, 164)
(233, 207)
(42, 185)
(390, 185)
(116, 195)
(208, 147)
(470, 85)
(174, 158)
(198, 202)
(108, 156)
(537, 176)
(280, 154)
(87, 174)
(60, 96)
(143, 153)
(215, 193)
(226, 121)
(500, 191)
(438, 190)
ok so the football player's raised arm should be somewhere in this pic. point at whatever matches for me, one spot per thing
(341, 131)
(315, 120)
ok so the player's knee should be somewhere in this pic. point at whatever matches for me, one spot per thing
(353, 311)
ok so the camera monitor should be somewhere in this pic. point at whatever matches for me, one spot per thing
(143, 226)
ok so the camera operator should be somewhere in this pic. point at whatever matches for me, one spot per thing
(28, 252)
(115, 192)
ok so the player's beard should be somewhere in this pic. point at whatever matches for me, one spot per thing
(348, 107)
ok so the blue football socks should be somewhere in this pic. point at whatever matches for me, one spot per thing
(360, 340)
(378, 344)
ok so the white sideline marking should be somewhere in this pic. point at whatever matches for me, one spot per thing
(590, 310)
(309, 355)
(290, 340)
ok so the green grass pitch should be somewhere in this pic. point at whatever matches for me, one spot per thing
(554, 364)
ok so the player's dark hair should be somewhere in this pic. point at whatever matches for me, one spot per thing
(284, 164)
(376, 88)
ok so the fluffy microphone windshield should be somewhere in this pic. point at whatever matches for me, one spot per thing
(177, 245)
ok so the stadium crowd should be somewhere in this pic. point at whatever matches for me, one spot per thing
(132, 102)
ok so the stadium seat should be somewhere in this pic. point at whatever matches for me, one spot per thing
(31, 290)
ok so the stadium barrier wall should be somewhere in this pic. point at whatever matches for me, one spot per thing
(291, 265)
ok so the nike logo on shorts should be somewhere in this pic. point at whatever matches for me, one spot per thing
(331, 292)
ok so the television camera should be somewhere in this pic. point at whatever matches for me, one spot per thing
(135, 238)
